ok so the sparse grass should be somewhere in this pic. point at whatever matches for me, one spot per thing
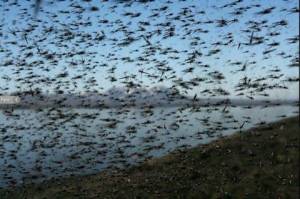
(260, 163)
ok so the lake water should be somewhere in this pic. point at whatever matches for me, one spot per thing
(36, 145)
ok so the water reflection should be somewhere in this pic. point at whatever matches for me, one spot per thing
(40, 144)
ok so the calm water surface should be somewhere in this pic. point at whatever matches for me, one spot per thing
(38, 145)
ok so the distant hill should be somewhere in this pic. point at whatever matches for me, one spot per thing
(121, 97)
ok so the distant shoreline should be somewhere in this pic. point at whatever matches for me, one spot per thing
(205, 102)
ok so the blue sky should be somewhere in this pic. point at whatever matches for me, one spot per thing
(12, 19)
